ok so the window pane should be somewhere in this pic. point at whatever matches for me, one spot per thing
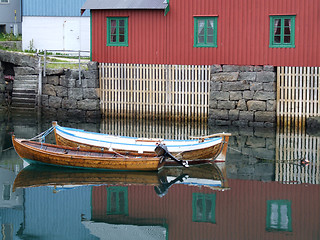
(121, 30)
(201, 27)
(210, 27)
(121, 38)
(199, 209)
(287, 30)
(210, 39)
(121, 203)
(113, 202)
(287, 22)
(6, 192)
(276, 39)
(113, 30)
(113, 38)
(121, 23)
(287, 39)
(277, 26)
(201, 39)
(208, 210)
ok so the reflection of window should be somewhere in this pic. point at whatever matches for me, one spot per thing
(4, 1)
(282, 31)
(117, 31)
(6, 192)
(203, 207)
(7, 231)
(279, 215)
(117, 200)
(205, 32)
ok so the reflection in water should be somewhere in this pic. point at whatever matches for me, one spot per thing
(205, 175)
(292, 146)
(170, 204)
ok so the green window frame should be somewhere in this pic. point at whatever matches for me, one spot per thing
(117, 201)
(117, 31)
(279, 216)
(205, 31)
(204, 207)
(282, 31)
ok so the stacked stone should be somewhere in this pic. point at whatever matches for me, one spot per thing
(243, 95)
(65, 95)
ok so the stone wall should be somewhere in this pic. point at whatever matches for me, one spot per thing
(11, 44)
(243, 95)
(251, 152)
(66, 96)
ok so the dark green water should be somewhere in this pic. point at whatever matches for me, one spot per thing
(261, 191)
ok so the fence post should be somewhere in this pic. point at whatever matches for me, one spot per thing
(45, 63)
(39, 82)
(79, 52)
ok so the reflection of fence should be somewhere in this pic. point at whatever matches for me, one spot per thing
(298, 95)
(294, 145)
(148, 128)
(155, 90)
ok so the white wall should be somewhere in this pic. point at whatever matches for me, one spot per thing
(56, 33)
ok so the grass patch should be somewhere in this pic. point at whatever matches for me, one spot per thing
(10, 37)
(66, 66)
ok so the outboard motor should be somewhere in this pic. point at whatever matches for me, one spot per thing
(162, 151)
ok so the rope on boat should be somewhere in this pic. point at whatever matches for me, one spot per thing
(41, 137)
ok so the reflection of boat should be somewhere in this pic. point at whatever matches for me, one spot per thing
(43, 153)
(208, 175)
(197, 150)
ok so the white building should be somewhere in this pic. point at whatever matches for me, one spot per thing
(55, 25)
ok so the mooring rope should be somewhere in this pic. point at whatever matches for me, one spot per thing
(303, 161)
(41, 137)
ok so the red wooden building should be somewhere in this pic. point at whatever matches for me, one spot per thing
(178, 41)
(207, 32)
(249, 210)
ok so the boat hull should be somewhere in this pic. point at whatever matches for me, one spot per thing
(193, 151)
(49, 154)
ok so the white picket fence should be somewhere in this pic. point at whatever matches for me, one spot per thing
(298, 95)
(158, 91)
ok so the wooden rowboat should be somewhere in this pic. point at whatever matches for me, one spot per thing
(196, 150)
(50, 154)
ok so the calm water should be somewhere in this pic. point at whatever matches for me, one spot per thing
(260, 192)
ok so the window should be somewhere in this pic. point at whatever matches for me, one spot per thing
(279, 215)
(117, 201)
(205, 32)
(4, 1)
(282, 31)
(6, 192)
(117, 31)
(204, 207)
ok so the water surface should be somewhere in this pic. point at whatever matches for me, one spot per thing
(261, 192)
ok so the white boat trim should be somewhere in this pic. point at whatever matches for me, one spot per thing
(131, 143)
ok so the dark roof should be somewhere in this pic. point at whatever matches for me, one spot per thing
(124, 4)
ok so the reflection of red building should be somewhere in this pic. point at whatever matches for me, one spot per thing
(240, 213)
